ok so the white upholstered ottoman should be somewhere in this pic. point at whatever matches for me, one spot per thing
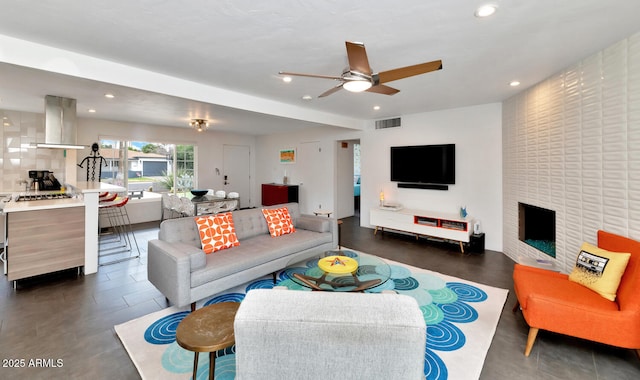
(288, 334)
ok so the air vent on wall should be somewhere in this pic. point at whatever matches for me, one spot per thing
(388, 123)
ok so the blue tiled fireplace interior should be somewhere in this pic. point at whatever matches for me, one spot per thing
(537, 228)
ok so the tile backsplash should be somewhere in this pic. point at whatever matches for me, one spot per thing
(19, 133)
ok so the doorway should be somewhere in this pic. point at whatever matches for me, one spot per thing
(236, 172)
(348, 184)
(356, 178)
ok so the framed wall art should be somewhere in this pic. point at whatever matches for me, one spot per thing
(287, 156)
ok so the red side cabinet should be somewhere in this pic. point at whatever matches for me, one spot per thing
(274, 193)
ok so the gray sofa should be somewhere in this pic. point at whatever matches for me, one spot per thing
(181, 271)
(288, 334)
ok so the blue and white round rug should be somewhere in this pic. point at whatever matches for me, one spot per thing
(461, 319)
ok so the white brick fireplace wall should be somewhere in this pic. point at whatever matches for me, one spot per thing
(572, 144)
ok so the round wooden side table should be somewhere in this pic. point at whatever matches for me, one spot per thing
(208, 329)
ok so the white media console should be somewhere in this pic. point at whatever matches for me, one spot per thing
(450, 227)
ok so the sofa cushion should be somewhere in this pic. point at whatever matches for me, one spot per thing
(278, 221)
(180, 230)
(599, 270)
(256, 251)
(217, 232)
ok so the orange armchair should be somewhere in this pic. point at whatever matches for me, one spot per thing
(549, 301)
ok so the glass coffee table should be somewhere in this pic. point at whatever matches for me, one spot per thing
(340, 271)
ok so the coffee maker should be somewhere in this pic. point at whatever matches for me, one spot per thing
(43, 180)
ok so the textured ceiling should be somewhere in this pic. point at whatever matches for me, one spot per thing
(232, 50)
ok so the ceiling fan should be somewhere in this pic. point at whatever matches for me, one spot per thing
(359, 77)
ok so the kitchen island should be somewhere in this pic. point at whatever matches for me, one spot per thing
(90, 193)
(44, 236)
(48, 235)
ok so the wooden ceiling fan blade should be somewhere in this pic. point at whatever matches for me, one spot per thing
(409, 71)
(310, 75)
(357, 56)
(382, 89)
(331, 90)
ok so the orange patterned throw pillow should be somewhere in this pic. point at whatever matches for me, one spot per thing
(217, 232)
(278, 221)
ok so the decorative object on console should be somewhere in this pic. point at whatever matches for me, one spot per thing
(463, 212)
(381, 198)
(199, 193)
(476, 227)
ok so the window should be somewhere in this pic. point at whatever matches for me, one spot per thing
(142, 165)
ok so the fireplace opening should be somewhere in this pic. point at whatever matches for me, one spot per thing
(537, 228)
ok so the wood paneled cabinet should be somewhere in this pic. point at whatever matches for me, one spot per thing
(44, 241)
(274, 193)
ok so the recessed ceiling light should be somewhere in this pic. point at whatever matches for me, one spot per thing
(514, 83)
(91, 110)
(307, 97)
(376, 107)
(287, 79)
(110, 96)
(486, 10)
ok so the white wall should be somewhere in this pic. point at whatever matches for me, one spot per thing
(476, 131)
(209, 145)
(572, 145)
(317, 179)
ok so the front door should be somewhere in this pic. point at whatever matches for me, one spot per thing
(237, 172)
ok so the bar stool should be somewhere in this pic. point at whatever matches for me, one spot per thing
(119, 224)
(107, 197)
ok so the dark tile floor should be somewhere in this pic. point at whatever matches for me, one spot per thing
(66, 322)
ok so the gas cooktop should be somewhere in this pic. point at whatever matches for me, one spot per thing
(42, 196)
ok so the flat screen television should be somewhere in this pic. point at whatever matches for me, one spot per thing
(435, 164)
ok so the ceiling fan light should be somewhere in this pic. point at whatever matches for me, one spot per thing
(357, 85)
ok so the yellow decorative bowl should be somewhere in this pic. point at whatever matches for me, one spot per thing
(338, 264)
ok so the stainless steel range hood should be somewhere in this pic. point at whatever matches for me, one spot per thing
(60, 123)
